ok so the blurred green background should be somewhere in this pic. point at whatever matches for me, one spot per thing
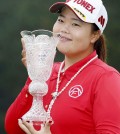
(18, 15)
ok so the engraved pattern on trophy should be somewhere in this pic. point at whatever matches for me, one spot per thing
(40, 48)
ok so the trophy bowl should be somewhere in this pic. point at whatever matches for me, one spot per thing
(40, 46)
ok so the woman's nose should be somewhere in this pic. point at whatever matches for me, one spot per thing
(65, 28)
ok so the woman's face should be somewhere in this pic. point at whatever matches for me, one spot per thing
(76, 37)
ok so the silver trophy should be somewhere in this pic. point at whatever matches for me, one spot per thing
(40, 48)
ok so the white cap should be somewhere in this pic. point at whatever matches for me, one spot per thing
(91, 11)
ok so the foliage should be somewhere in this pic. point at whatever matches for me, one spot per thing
(18, 15)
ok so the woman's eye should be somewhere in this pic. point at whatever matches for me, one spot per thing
(60, 20)
(75, 24)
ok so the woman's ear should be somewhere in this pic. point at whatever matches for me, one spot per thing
(95, 36)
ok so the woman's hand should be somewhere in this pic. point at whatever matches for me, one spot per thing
(23, 53)
(29, 129)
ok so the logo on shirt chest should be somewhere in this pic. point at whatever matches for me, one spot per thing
(76, 91)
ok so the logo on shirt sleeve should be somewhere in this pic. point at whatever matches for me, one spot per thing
(76, 91)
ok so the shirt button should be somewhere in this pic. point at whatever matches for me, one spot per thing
(46, 106)
(26, 95)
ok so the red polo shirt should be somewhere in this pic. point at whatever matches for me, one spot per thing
(89, 105)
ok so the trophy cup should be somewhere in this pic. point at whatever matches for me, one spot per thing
(40, 48)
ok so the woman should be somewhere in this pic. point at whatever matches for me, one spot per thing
(88, 90)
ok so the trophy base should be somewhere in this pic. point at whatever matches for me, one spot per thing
(36, 115)
(36, 124)
(36, 119)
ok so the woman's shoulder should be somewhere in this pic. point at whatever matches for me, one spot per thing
(105, 67)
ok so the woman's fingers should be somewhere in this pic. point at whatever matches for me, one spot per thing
(23, 53)
(29, 129)
(46, 127)
(23, 127)
(24, 59)
(23, 44)
(49, 123)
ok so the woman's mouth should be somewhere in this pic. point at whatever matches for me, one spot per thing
(64, 38)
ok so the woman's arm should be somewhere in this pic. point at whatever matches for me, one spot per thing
(17, 109)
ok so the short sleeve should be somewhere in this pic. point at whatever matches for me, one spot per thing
(106, 107)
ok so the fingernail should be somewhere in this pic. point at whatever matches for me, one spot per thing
(19, 120)
(51, 122)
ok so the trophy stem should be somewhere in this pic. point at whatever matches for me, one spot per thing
(37, 115)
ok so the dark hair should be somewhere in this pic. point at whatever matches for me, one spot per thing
(100, 45)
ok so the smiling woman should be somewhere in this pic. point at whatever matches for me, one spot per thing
(76, 40)
(82, 97)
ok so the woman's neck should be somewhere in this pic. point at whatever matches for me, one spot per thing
(70, 60)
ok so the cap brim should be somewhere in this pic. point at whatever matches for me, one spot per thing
(57, 7)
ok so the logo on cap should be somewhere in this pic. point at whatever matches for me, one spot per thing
(81, 14)
(76, 91)
(101, 20)
(85, 4)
